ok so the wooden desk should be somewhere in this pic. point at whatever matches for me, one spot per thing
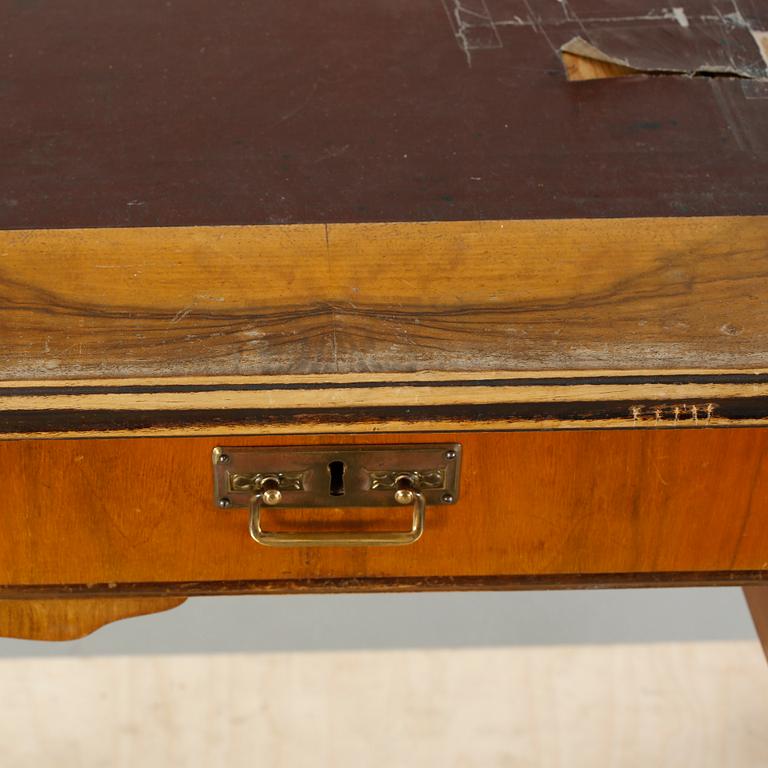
(389, 223)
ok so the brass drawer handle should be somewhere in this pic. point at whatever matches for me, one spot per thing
(387, 539)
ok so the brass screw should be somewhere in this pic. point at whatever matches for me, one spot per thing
(450, 455)
(404, 496)
(223, 458)
(447, 498)
(270, 491)
(271, 496)
(224, 502)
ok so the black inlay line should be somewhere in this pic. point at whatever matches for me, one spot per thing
(65, 420)
(552, 381)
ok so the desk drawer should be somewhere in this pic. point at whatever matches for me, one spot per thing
(141, 512)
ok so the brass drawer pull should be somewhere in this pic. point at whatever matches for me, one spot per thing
(387, 539)
(337, 476)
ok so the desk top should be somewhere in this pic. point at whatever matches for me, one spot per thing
(291, 216)
(214, 112)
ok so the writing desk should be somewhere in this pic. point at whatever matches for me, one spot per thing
(485, 283)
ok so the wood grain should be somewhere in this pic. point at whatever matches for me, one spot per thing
(757, 599)
(387, 298)
(62, 619)
(531, 504)
(445, 325)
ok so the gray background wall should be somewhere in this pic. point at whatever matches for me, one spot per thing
(348, 622)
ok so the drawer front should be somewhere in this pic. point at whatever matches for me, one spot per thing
(128, 511)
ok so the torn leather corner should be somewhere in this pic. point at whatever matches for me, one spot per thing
(761, 38)
(696, 49)
(582, 61)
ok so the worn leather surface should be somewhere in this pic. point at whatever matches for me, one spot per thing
(229, 112)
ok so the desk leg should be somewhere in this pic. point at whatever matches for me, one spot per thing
(757, 600)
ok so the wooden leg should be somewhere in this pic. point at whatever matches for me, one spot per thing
(70, 619)
(757, 600)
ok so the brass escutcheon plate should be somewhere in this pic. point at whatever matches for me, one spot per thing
(337, 475)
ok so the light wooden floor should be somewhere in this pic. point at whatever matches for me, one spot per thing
(651, 706)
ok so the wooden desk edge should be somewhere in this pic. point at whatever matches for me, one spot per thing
(401, 584)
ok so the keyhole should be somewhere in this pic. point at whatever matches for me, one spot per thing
(337, 470)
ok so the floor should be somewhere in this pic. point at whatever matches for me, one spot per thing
(675, 705)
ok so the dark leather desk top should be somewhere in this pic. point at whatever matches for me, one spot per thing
(228, 112)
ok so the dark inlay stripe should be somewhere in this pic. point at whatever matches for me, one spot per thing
(100, 420)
